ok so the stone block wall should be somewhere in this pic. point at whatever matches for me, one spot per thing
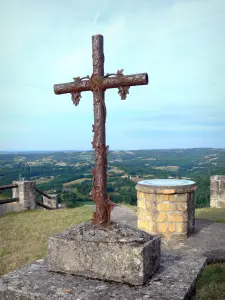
(27, 198)
(168, 212)
(10, 207)
(53, 202)
(26, 194)
(217, 191)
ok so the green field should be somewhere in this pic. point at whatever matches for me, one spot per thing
(75, 181)
(57, 172)
(211, 285)
(212, 214)
(24, 235)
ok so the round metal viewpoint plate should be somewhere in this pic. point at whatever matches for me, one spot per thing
(166, 182)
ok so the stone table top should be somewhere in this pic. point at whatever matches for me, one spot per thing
(168, 183)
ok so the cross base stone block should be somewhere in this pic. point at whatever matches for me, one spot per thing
(114, 253)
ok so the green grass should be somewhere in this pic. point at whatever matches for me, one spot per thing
(3, 196)
(43, 180)
(80, 195)
(75, 181)
(211, 285)
(23, 236)
(212, 214)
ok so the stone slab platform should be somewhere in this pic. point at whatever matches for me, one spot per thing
(175, 280)
(117, 252)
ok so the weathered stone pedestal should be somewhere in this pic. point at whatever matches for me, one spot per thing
(116, 253)
(26, 194)
(166, 207)
(53, 202)
(217, 191)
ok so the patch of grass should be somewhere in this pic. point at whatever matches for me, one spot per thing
(211, 285)
(212, 214)
(80, 195)
(115, 170)
(125, 188)
(24, 235)
(75, 181)
(43, 180)
(3, 196)
(220, 220)
(167, 168)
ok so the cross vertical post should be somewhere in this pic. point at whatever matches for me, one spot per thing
(98, 83)
(99, 181)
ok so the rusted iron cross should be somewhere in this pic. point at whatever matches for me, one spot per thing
(98, 83)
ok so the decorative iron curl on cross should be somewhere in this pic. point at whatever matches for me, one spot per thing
(98, 83)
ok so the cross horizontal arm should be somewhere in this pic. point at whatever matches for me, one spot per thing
(107, 83)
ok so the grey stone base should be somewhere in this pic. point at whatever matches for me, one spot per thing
(175, 280)
(116, 253)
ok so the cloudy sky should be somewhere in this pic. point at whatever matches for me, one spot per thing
(179, 43)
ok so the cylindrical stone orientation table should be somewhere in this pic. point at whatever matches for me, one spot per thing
(166, 207)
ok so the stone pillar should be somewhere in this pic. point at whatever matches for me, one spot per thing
(217, 191)
(53, 202)
(166, 207)
(26, 194)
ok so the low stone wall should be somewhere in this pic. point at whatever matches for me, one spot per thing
(53, 202)
(169, 212)
(217, 191)
(10, 207)
(26, 194)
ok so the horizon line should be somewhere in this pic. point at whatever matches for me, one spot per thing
(90, 150)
